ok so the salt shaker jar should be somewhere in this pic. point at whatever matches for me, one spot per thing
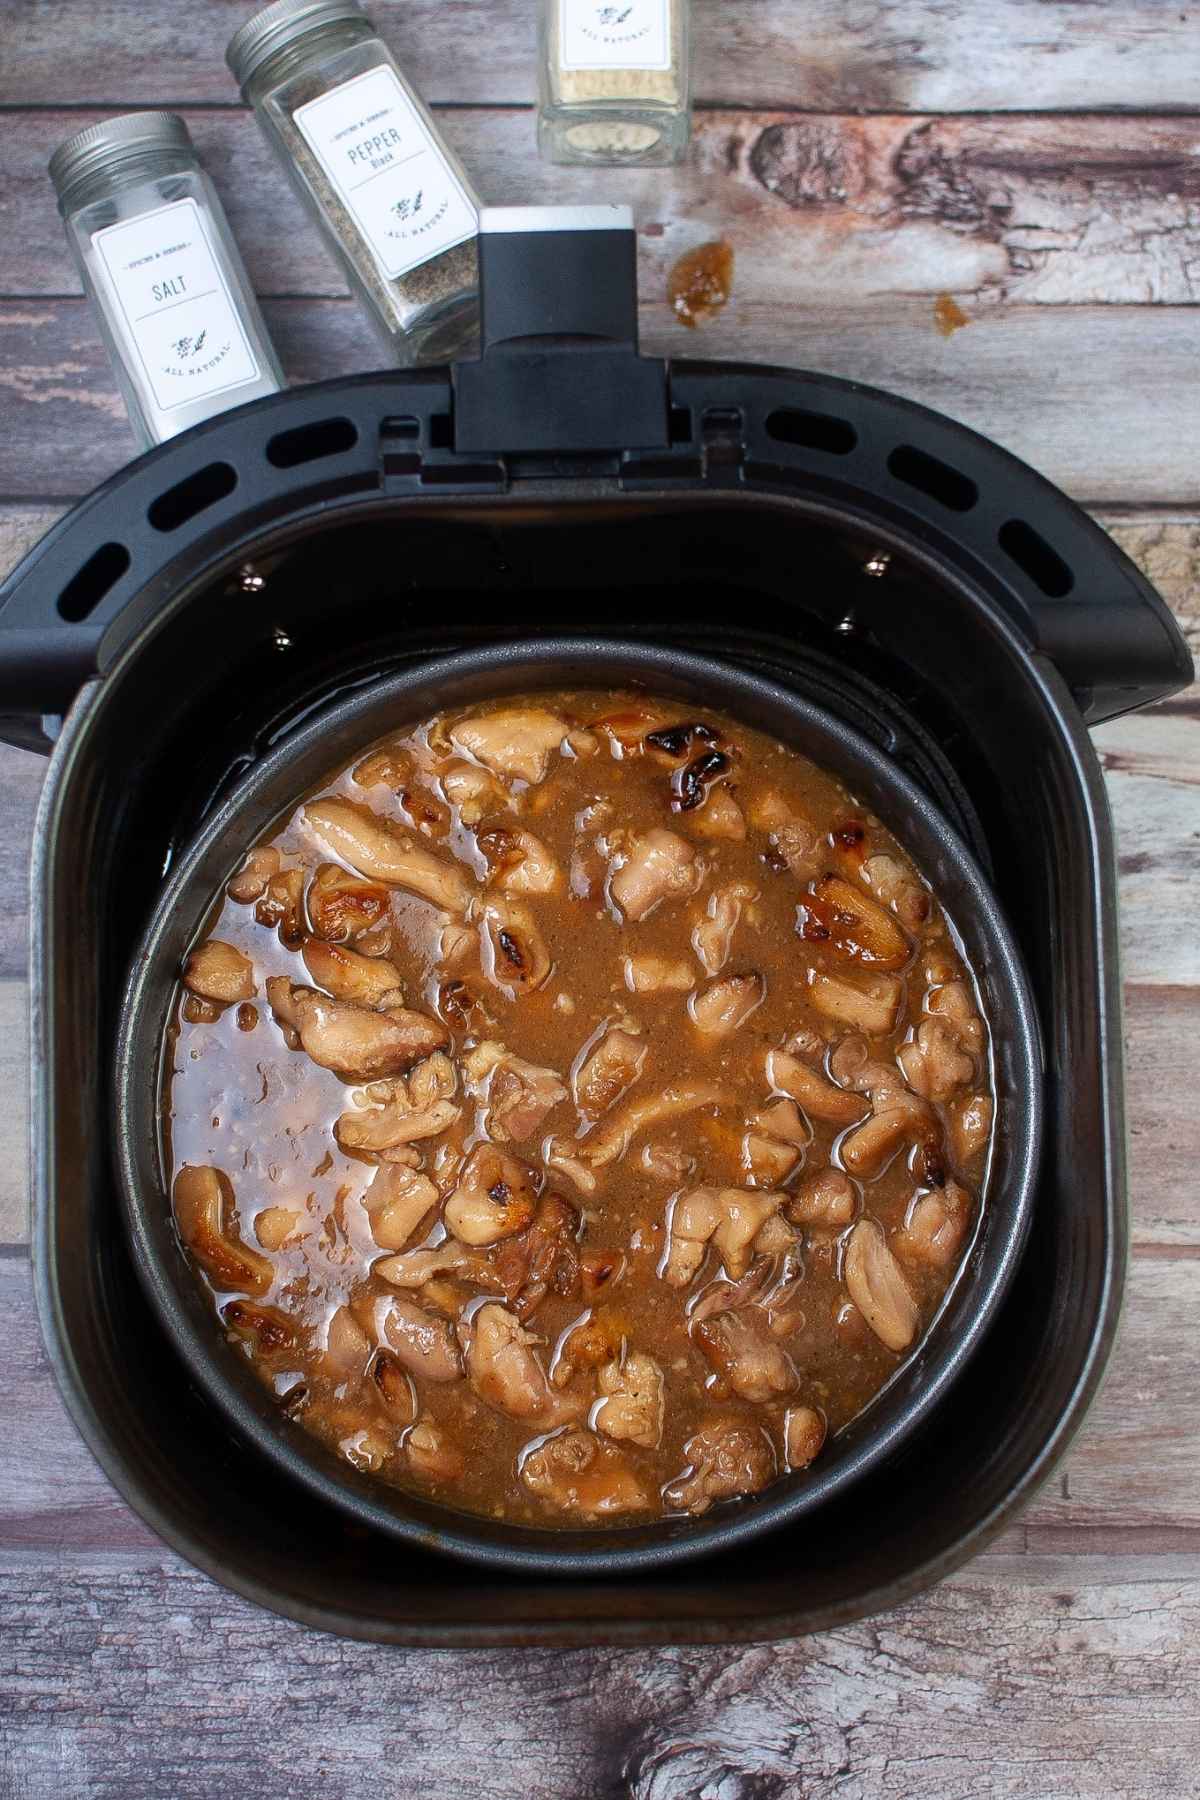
(614, 83)
(365, 156)
(175, 306)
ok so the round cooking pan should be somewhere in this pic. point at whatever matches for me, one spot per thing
(274, 786)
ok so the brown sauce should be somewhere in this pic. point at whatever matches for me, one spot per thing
(578, 1110)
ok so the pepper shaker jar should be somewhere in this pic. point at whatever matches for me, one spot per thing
(363, 152)
(152, 244)
(614, 81)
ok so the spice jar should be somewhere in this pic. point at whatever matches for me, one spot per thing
(153, 246)
(365, 156)
(614, 81)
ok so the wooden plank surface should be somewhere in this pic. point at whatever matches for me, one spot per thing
(1035, 210)
(817, 55)
(1026, 375)
(1040, 163)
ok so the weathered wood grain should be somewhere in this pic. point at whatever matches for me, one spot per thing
(1027, 376)
(1080, 1684)
(1072, 210)
(822, 55)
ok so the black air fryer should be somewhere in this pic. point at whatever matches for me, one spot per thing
(878, 559)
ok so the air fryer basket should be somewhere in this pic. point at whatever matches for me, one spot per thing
(875, 557)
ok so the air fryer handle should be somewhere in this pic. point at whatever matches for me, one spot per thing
(560, 372)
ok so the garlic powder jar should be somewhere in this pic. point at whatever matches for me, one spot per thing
(614, 81)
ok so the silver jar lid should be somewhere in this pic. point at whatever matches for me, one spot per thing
(281, 24)
(113, 142)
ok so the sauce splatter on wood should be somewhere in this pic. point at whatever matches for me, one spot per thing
(701, 282)
(948, 315)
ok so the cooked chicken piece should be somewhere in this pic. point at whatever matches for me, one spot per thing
(740, 1349)
(721, 1296)
(269, 1333)
(659, 865)
(405, 1111)
(872, 1007)
(675, 744)
(649, 974)
(803, 1436)
(576, 1472)
(853, 924)
(424, 1345)
(878, 1289)
(970, 1127)
(633, 728)
(218, 972)
(275, 1225)
(782, 1119)
(543, 1259)
(394, 1385)
(413, 1268)
(367, 980)
(282, 907)
(935, 1227)
(825, 1198)
(612, 1067)
(595, 1339)
(516, 742)
(342, 905)
(728, 1218)
(712, 936)
(766, 1160)
(474, 791)
(890, 882)
(518, 862)
(560, 1154)
(251, 879)
(719, 817)
(898, 1116)
(495, 1198)
(518, 1094)
(609, 1142)
(725, 1458)
(205, 1214)
(504, 1370)
(433, 1453)
(952, 1004)
(797, 842)
(514, 952)
(634, 1407)
(933, 1064)
(347, 1346)
(666, 1162)
(725, 1004)
(356, 1043)
(396, 1202)
(368, 843)
(820, 1099)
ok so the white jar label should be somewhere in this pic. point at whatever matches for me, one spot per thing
(173, 306)
(615, 34)
(390, 172)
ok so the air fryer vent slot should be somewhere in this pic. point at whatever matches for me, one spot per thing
(85, 590)
(192, 496)
(929, 475)
(311, 443)
(1030, 551)
(812, 430)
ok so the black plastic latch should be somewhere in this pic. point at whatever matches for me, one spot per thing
(560, 371)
